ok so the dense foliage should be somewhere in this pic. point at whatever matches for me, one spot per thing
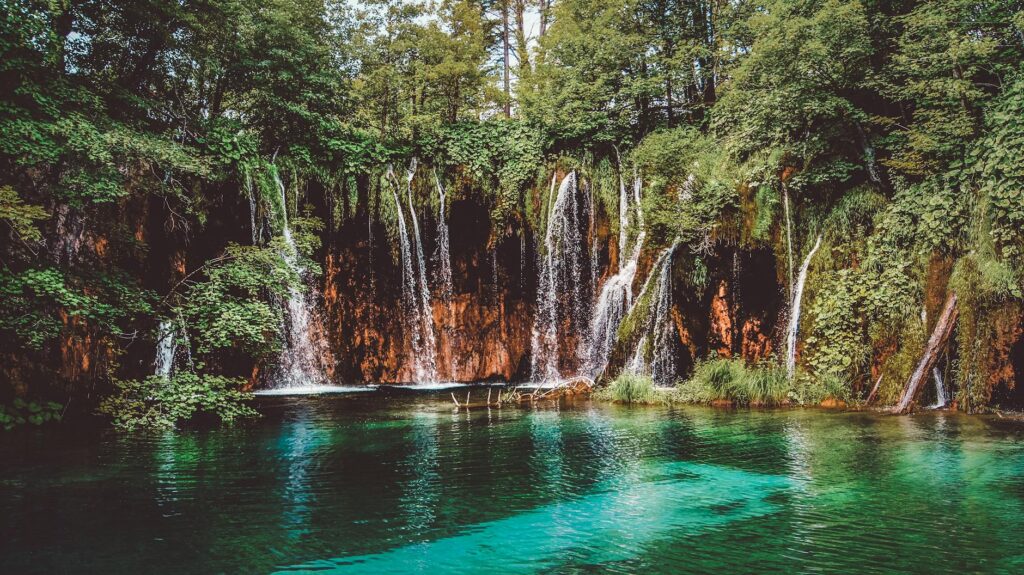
(135, 137)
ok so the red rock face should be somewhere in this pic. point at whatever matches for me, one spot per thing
(482, 341)
(734, 313)
(721, 320)
(479, 337)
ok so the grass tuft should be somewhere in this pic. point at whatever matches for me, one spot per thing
(720, 379)
(630, 388)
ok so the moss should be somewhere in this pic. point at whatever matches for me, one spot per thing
(906, 340)
(988, 307)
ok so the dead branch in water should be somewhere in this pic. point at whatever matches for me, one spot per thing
(468, 405)
(937, 341)
(579, 385)
(571, 387)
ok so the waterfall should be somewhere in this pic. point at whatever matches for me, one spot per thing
(616, 296)
(789, 237)
(636, 363)
(663, 362)
(444, 273)
(426, 370)
(522, 258)
(560, 297)
(369, 245)
(303, 356)
(252, 208)
(659, 330)
(415, 291)
(410, 309)
(623, 217)
(794, 316)
(166, 348)
(940, 389)
(592, 230)
(495, 288)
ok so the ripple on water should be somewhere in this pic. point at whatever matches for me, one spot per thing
(399, 482)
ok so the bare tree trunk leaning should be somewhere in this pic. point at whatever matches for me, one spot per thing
(940, 336)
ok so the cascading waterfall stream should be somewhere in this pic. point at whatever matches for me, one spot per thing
(561, 279)
(444, 273)
(659, 329)
(940, 389)
(166, 348)
(663, 361)
(794, 312)
(410, 308)
(415, 292)
(256, 231)
(427, 362)
(789, 237)
(302, 360)
(616, 296)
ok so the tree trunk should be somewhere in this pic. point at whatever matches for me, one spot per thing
(522, 52)
(505, 63)
(940, 336)
(543, 17)
(64, 24)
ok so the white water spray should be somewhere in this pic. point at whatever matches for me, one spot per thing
(789, 237)
(426, 370)
(794, 311)
(940, 389)
(253, 203)
(560, 298)
(659, 330)
(663, 363)
(413, 290)
(616, 296)
(166, 348)
(302, 359)
(444, 273)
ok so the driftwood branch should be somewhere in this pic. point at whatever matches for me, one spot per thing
(874, 391)
(937, 341)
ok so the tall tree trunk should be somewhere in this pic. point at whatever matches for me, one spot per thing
(668, 99)
(669, 51)
(940, 336)
(703, 16)
(64, 23)
(544, 7)
(505, 63)
(522, 51)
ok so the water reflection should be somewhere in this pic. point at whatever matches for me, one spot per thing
(421, 493)
(365, 483)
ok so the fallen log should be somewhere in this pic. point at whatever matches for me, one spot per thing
(574, 386)
(940, 336)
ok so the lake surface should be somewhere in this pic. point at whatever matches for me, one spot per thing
(395, 482)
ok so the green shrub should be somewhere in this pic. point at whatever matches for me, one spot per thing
(162, 403)
(813, 389)
(21, 411)
(630, 388)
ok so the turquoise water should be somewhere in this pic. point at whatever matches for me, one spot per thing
(389, 482)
